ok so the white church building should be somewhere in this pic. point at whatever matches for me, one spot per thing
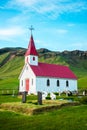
(44, 77)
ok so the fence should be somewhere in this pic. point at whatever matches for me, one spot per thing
(8, 92)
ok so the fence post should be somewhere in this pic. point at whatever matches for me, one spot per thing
(13, 94)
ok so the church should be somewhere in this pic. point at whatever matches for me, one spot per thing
(44, 77)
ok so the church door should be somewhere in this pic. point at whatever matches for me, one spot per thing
(27, 84)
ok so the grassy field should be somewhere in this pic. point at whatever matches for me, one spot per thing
(64, 118)
(70, 118)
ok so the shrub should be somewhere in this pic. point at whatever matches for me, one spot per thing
(56, 93)
(83, 100)
(48, 98)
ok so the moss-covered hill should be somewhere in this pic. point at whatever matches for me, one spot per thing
(12, 61)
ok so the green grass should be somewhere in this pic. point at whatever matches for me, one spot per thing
(14, 103)
(3, 56)
(9, 73)
(70, 118)
(82, 83)
(66, 118)
(10, 98)
(54, 60)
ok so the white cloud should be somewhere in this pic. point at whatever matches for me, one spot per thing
(70, 24)
(78, 45)
(41, 44)
(55, 7)
(38, 41)
(12, 36)
(11, 31)
(25, 2)
(61, 31)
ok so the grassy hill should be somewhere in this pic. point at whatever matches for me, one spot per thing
(12, 61)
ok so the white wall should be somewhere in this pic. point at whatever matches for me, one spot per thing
(42, 84)
(27, 74)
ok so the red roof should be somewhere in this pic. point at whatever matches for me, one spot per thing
(52, 70)
(31, 48)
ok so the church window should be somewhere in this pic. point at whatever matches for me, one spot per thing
(26, 67)
(22, 83)
(32, 81)
(33, 58)
(67, 83)
(48, 82)
(58, 83)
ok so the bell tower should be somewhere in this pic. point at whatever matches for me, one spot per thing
(31, 55)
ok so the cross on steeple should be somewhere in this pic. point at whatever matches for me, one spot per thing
(31, 29)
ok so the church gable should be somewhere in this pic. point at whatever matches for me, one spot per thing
(26, 72)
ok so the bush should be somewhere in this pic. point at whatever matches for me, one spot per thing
(48, 98)
(56, 93)
(83, 100)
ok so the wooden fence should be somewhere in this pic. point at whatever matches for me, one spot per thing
(9, 92)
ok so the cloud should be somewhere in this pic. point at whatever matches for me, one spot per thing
(12, 36)
(54, 7)
(1, 7)
(70, 24)
(61, 31)
(79, 45)
(38, 41)
(25, 2)
(11, 31)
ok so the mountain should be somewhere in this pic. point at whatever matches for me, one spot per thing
(12, 61)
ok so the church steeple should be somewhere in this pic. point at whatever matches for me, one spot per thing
(31, 48)
(31, 55)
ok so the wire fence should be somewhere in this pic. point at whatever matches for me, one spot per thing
(9, 92)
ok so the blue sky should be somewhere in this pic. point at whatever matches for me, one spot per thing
(59, 24)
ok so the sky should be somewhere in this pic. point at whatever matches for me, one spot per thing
(58, 24)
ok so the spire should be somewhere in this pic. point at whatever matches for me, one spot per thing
(31, 47)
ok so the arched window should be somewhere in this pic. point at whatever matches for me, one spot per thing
(58, 83)
(67, 83)
(48, 82)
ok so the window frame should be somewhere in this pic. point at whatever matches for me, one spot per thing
(48, 82)
(32, 81)
(58, 83)
(33, 58)
(67, 83)
(22, 83)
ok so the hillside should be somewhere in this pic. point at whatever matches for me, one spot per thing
(12, 61)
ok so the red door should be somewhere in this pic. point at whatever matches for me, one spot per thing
(27, 84)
